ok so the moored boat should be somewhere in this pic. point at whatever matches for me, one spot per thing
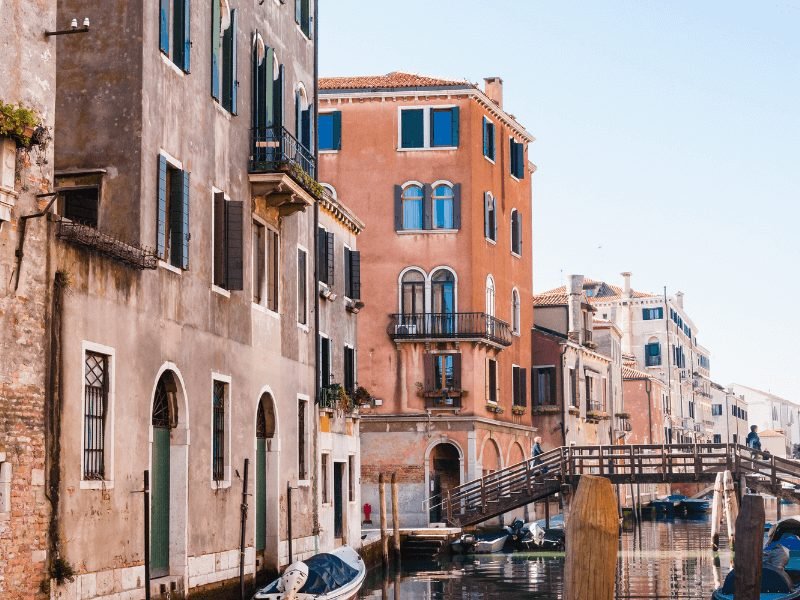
(337, 575)
(486, 543)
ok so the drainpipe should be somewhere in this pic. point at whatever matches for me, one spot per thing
(315, 286)
(648, 386)
(563, 399)
(22, 223)
(669, 366)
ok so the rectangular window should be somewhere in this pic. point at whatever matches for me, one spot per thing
(717, 438)
(325, 355)
(691, 410)
(519, 393)
(517, 153)
(172, 230)
(224, 67)
(653, 314)
(259, 263)
(573, 388)
(351, 478)
(302, 16)
(81, 205)
(491, 380)
(329, 130)
(652, 354)
(228, 243)
(489, 217)
(591, 403)
(516, 232)
(302, 472)
(488, 139)
(218, 430)
(544, 389)
(323, 467)
(349, 370)
(444, 127)
(444, 372)
(716, 410)
(352, 274)
(95, 413)
(302, 287)
(412, 128)
(179, 48)
(265, 266)
(325, 256)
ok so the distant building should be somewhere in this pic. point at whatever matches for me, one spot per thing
(770, 411)
(660, 335)
(729, 412)
(439, 171)
(577, 396)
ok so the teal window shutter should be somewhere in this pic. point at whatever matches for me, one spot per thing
(187, 34)
(234, 61)
(457, 206)
(485, 136)
(175, 208)
(161, 209)
(520, 161)
(454, 116)
(490, 134)
(512, 153)
(337, 130)
(257, 87)
(486, 229)
(164, 26)
(215, 49)
(427, 211)
(412, 128)
(268, 87)
(185, 216)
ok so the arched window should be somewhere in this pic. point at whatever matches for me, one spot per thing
(652, 352)
(490, 295)
(443, 290)
(489, 217)
(329, 189)
(516, 232)
(412, 297)
(515, 316)
(412, 200)
(443, 207)
(303, 118)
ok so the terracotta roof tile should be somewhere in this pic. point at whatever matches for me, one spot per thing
(631, 373)
(613, 292)
(393, 80)
(550, 299)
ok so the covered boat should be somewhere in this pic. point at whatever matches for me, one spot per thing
(328, 576)
(486, 543)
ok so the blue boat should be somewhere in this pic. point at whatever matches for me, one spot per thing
(781, 567)
(665, 506)
(678, 504)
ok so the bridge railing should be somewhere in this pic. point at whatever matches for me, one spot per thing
(779, 471)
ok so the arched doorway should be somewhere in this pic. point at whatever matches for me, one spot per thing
(445, 474)
(164, 419)
(490, 459)
(265, 431)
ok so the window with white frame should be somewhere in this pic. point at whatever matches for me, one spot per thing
(265, 266)
(489, 217)
(302, 459)
(96, 386)
(302, 286)
(490, 295)
(516, 232)
(220, 403)
(428, 127)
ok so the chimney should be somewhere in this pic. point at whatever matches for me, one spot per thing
(626, 343)
(679, 299)
(493, 87)
(626, 285)
(574, 311)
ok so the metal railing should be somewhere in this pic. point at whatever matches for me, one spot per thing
(449, 326)
(275, 149)
(652, 361)
(441, 401)
(139, 257)
(587, 336)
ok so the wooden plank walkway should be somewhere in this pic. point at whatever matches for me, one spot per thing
(532, 480)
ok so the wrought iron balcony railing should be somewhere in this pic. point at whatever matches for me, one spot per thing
(652, 361)
(437, 399)
(275, 149)
(472, 325)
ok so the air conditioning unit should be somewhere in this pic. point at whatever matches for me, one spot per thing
(405, 329)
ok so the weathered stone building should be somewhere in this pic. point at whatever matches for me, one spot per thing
(182, 334)
(438, 170)
(27, 79)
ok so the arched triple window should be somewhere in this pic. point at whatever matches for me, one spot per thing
(490, 295)
(515, 311)
(443, 207)
(412, 201)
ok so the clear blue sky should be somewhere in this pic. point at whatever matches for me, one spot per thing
(667, 144)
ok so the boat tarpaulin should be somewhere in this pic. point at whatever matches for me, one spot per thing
(327, 573)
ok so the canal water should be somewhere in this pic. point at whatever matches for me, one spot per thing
(664, 558)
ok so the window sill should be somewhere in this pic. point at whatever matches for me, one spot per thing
(91, 484)
(168, 61)
(426, 148)
(303, 327)
(515, 255)
(423, 231)
(267, 311)
(491, 160)
(491, 241)
(514, 177)
(221, 291)
(169, 267)
(303, 483)
(222, 110)
(516, 333)
(329, 151)
(547, 409)
(220, 485)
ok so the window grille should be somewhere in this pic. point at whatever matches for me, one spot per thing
(218, 452)
(161, 416)
(261, 422)
(301, 439)
(95, 410)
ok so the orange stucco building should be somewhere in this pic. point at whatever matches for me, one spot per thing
(440, 174)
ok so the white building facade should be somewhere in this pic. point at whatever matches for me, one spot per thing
(771, 412)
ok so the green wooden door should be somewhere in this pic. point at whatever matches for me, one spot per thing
(261, 494)
(159, 507)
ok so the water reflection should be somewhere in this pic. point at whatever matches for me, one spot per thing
(661, 559)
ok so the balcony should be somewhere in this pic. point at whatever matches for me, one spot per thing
(652, 361)
(587, 339)
(449, 326)
(79, 234)
(443, 400)
(282, 170)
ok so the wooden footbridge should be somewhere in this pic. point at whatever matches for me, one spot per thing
(559, 470)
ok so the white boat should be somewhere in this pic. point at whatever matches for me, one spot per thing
(337, 575)
(469, 543)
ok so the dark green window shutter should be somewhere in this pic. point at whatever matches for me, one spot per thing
(305, 128)
(305, 17)
(454, 116)
(181, 41)
(520, 161)
(268, 88)
(457, 206)
(185, 215)
(355, 275)
(427, 206)
(486, 228)
(322, 251)
(330, 255)
(490, 135)
(348, 288)
(176, 229)
(234, 245)
(187, 34)
(412, 128)
(277, 102)
(398, 208)
(164, 26)
(523, 387)
(485, 137)
(215, 49)
(234, 62)
(161, 211)
(219, 240)
(337, 130)
(256, 107)
(512, 154)
(229, 65)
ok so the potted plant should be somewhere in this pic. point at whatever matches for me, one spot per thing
(19, 123)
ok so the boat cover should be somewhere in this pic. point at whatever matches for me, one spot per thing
(773, 581)
(326, 573)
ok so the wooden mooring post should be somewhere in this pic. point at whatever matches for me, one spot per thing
(395, 517)
(382, 502)
(591, 542)
(749, 541)
(716, 510)
(731, 507)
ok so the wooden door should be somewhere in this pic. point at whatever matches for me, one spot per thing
(159, 508)
(338, 499)
(261, 493)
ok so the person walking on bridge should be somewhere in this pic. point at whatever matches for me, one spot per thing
(753, 441)
(537, 452)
